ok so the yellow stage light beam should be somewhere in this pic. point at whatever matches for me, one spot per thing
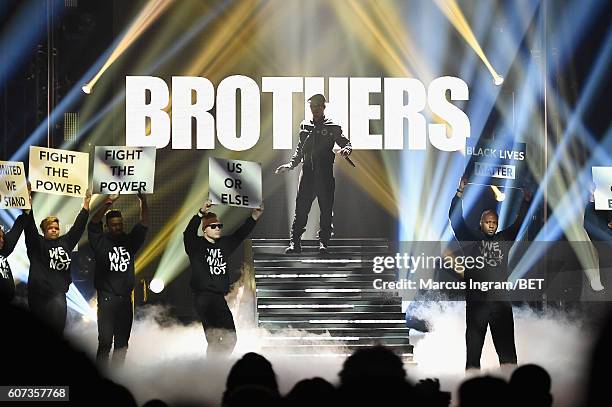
(148, 15)
(221, 47)
(454, 14)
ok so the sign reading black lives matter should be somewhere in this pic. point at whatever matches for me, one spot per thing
(124, 170)
(59, 172)
(602, 177)
(496, 163)
(234, 182)
(13, 186)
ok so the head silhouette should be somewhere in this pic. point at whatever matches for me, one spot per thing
(530, 386)
(484, 391)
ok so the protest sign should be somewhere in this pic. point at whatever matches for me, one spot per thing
(13, 186)
(124, 170)
(602, 177)
(235, 182)
(60, 172)
(496, 163)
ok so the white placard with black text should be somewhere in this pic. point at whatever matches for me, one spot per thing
(13, 186)
(235, 182)
(602, 177)
(124, 170)
(59, 172)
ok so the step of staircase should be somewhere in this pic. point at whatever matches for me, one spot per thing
(314, 304)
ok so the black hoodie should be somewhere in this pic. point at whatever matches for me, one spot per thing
(7, 285)
(50, 259)
(115, 257)
(494, 249)
(209, 260)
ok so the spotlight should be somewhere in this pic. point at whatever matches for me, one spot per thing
(86, 89)
(157, 285)
(498, 80)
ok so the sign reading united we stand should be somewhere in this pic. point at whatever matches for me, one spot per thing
(13, 186)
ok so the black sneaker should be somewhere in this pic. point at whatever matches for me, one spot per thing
(293, 248)
(323, 248)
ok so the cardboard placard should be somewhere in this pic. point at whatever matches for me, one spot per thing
(124, 170)
(235, 182)
(496, 163)
(59, 172)
(602, 177)
(13, 186)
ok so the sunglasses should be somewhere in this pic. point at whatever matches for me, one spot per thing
(216, 226)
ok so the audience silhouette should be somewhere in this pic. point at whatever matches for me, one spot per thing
(370, 376)
(530, 387)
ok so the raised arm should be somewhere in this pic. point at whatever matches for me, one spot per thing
(12, 236)
(243, 231)
(99, 214)
(144, 210)
(455, 215)
(94, 228)
(594, 225)
(190, 235)
(32, 238)
(511, 231)
(78, 227)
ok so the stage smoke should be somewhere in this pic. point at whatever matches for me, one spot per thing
(167, 360)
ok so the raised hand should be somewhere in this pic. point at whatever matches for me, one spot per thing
(141, 196)
(206, 206)
(111, 199)
(256, 212)
(29, 197)
(87, 199)
(283, 168)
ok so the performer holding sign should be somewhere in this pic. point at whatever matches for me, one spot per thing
(115, 253)
(598, 225)
(49, 256)
(487, 308)
(8, 241)
(315, 151)
(210, 278)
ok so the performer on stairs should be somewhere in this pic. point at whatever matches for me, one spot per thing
(315, 152)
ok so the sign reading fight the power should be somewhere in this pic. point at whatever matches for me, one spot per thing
(60, 172)
(235, 182)
(124, 170)
(496, 163)
(602, 177)
(13, 187)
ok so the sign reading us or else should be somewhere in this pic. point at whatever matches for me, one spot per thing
(124, 170)
(59, 172)
(13, 186)
(234, 182)
(602, 177)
